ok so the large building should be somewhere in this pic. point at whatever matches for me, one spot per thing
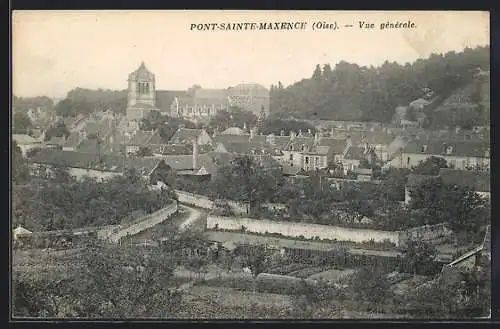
(250, 97)
(201, 104)
(141, 93)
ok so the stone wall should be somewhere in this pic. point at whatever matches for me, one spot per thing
(145, 222)
(308, 231)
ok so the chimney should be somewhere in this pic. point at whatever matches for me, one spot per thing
(245, 126)
(195, 154)
(316, 139)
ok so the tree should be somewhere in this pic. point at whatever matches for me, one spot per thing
(244, 180)
(57, 130)
(419, 254)
(430, 166)
(317, 72)
(20, 170)
(105, 281)
(460, 207)
(21, 122)
(411, 114)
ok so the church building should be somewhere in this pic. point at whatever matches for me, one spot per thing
(141, 94)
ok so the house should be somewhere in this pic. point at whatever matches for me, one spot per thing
(478, 181)
(458, 154)
(26, 142)
(101, 167)
(310, 153)
(251, 97)
(137, 140)
(379, 140)
(413, 181)
(186, 136)
(354, 157)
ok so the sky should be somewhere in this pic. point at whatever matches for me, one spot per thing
(56, 51)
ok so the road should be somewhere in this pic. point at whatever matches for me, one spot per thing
(193, 216)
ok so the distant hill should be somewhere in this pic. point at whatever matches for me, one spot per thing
(350, 92)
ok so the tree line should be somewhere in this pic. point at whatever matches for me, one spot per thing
(350, 92)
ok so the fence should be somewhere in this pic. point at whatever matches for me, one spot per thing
(145, 222)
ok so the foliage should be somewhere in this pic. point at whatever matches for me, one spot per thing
(419, 254)
(461, 294)
(23, 104)
(257, 259)
(21, 122)
(65, 203)
(430, 166)
(460, 207)
(393, 182)
(105, 281)
(351, 92)
(85, 101)
(58, 129)
(244, 180)
(370, 284)
(233, 118)
(20, 170)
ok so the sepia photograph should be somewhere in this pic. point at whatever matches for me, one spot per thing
(250, 165)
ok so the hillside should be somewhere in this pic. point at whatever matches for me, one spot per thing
(350, 92)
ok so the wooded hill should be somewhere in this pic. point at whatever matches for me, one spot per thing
(359, 93)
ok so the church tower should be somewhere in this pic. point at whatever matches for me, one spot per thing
(141, 93)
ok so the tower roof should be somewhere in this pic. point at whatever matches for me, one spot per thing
(142, 73)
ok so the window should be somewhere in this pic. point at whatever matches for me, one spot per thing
(316, 161)
(408, 161)
(291, 157)
(307, 160)
(424, 148)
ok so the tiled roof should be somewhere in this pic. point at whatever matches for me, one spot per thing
(183, 135)
(458, 148)
(110, 163)
(140, 138)
(479, 181)
(179, 149)
(233, 131)
(371, 137)
(355, 153)
(337, 145)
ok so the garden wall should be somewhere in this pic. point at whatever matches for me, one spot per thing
(308, 231)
